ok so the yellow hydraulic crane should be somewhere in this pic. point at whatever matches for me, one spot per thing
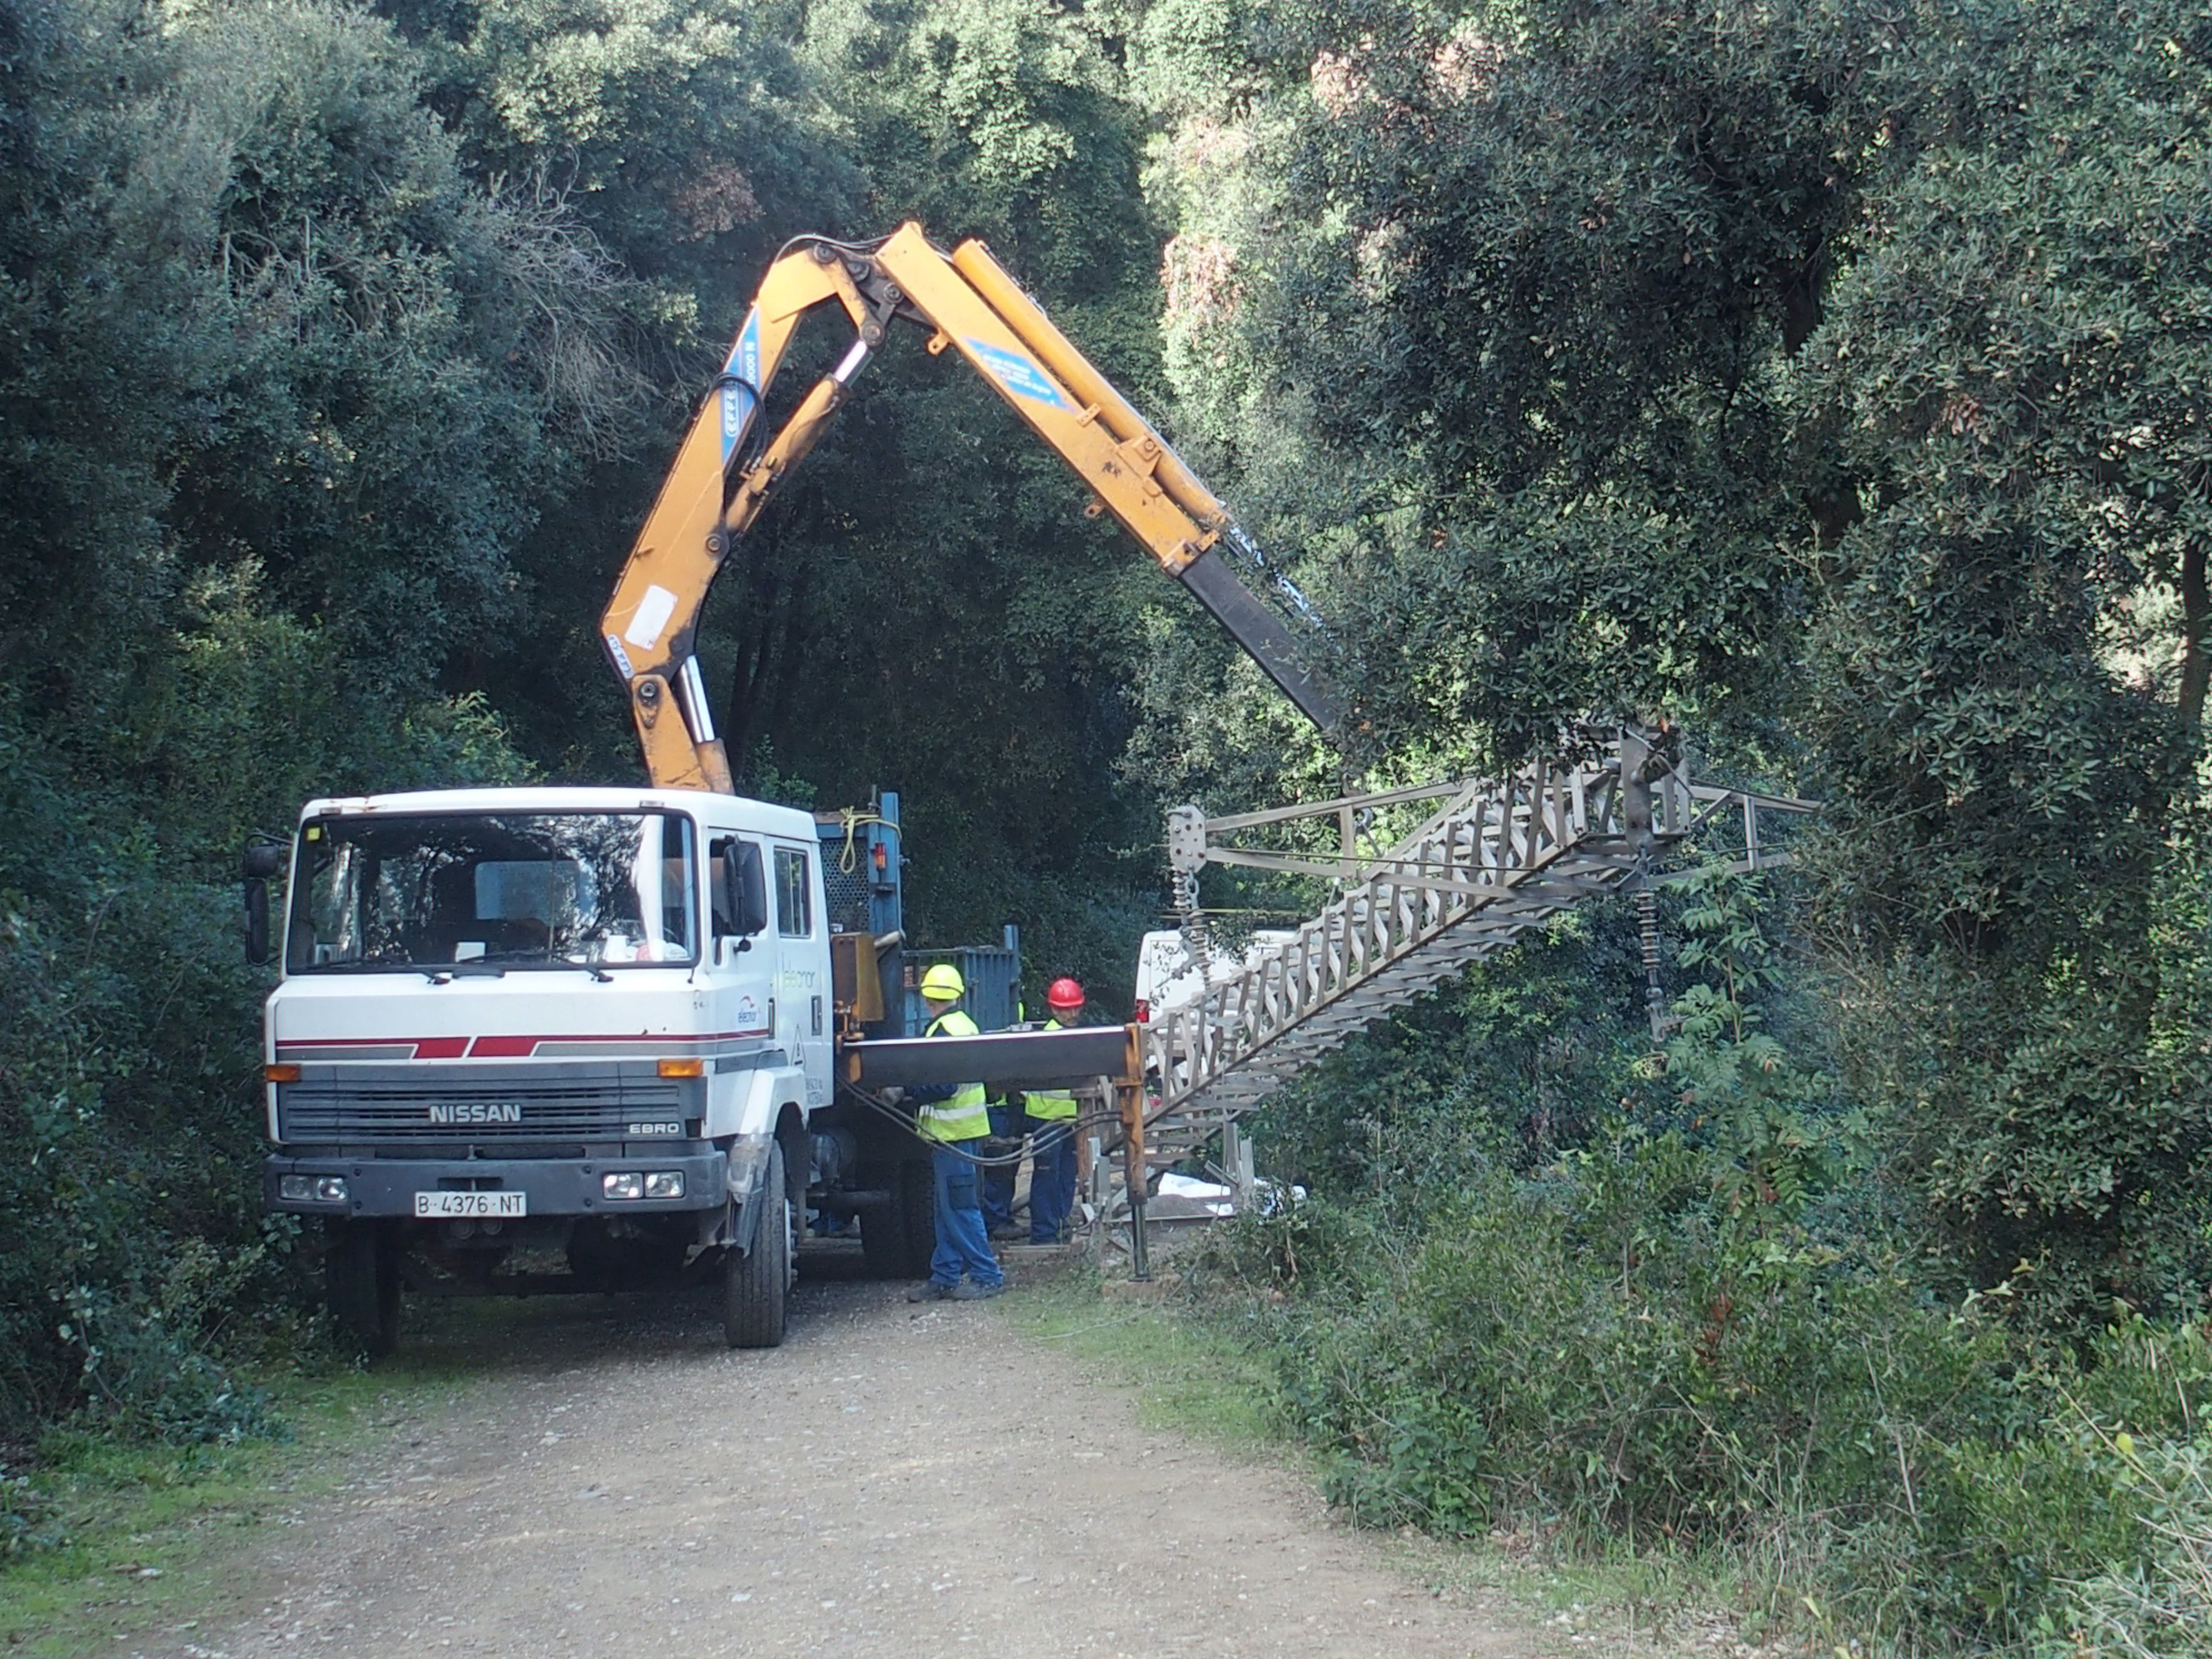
(719, 484)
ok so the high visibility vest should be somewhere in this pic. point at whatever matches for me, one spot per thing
(965, 1116)
(1055, 1104)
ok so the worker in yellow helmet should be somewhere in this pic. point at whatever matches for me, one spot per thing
(954, 1118)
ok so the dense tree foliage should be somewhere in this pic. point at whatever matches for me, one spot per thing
(277, 402)
(343, 350)
(1829, 376)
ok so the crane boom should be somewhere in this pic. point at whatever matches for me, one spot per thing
(719, 485)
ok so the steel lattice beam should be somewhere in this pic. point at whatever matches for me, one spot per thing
(1495, 862)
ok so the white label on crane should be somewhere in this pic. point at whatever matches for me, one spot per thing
(739, 399)
(654, 611)
(1017, 373)
(737, 405)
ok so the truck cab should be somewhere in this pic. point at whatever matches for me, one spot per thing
(585, 1022)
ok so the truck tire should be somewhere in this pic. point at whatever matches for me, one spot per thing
(757, 1285)
(897, 1241)
(361, 1283)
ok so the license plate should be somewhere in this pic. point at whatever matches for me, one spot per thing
(474, 1206)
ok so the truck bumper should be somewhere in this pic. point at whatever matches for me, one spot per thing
(556, 1187)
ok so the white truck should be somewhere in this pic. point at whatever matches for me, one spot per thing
(593, 1021)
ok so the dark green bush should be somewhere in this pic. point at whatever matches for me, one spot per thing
(1705, 1327)
(2149, 1611)
(27, 1522)
(1605, 1353)
(131, 1252)
(143, 1380)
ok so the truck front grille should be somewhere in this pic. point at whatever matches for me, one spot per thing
(492, 1112)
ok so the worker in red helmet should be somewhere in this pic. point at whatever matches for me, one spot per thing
(1050, 1118)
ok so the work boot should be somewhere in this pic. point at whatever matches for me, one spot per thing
(971, 1292)
(1007, 1231)
(932, 1291)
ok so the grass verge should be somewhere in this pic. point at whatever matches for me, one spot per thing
(152, 1531)
(1191, 1375)
(1187, 1374)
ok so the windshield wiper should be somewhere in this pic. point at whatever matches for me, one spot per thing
(441, 972)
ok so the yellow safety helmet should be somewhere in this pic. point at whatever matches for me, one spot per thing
(944, 983)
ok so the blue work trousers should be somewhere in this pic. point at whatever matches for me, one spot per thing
(998, 1179)
(1052, 1178)
(962, 1247)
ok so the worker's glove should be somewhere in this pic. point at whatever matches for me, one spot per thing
(892, 1095)
(1001, 1146)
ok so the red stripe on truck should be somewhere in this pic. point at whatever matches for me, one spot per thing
(512, 1048)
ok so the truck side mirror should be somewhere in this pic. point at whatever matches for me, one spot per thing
(264, 859)
(257, 920)
(749, 891)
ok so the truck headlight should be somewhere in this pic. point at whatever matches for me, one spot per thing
(627, 1183)
(312, 1189)
(331, 1189)
(664, 1183)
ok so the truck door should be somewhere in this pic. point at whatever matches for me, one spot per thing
(803, 1010)
(740, 963)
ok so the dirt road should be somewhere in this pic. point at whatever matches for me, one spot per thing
(894, 1481)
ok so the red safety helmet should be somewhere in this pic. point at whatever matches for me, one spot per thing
(1064, 993)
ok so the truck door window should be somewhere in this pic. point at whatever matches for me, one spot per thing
(794, 915)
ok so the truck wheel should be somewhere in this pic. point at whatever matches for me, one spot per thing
(757, 1286)
(360, 1282)
(897, 1241)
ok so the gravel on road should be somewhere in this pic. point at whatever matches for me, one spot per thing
(895, 1480)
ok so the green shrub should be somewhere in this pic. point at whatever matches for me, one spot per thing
(143, 1380)
(1706, 1328)
(1609, 1352)
(2163, 1606)
(27, 1523)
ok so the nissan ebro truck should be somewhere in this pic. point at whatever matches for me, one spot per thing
(590, 1022)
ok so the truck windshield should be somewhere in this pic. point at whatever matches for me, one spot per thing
(518, 889)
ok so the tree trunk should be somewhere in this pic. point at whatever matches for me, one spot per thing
(2195, 615)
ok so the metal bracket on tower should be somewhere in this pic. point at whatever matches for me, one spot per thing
(1185, 858)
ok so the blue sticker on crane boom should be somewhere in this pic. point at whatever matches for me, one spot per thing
(1017, 373)
(739, 397)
